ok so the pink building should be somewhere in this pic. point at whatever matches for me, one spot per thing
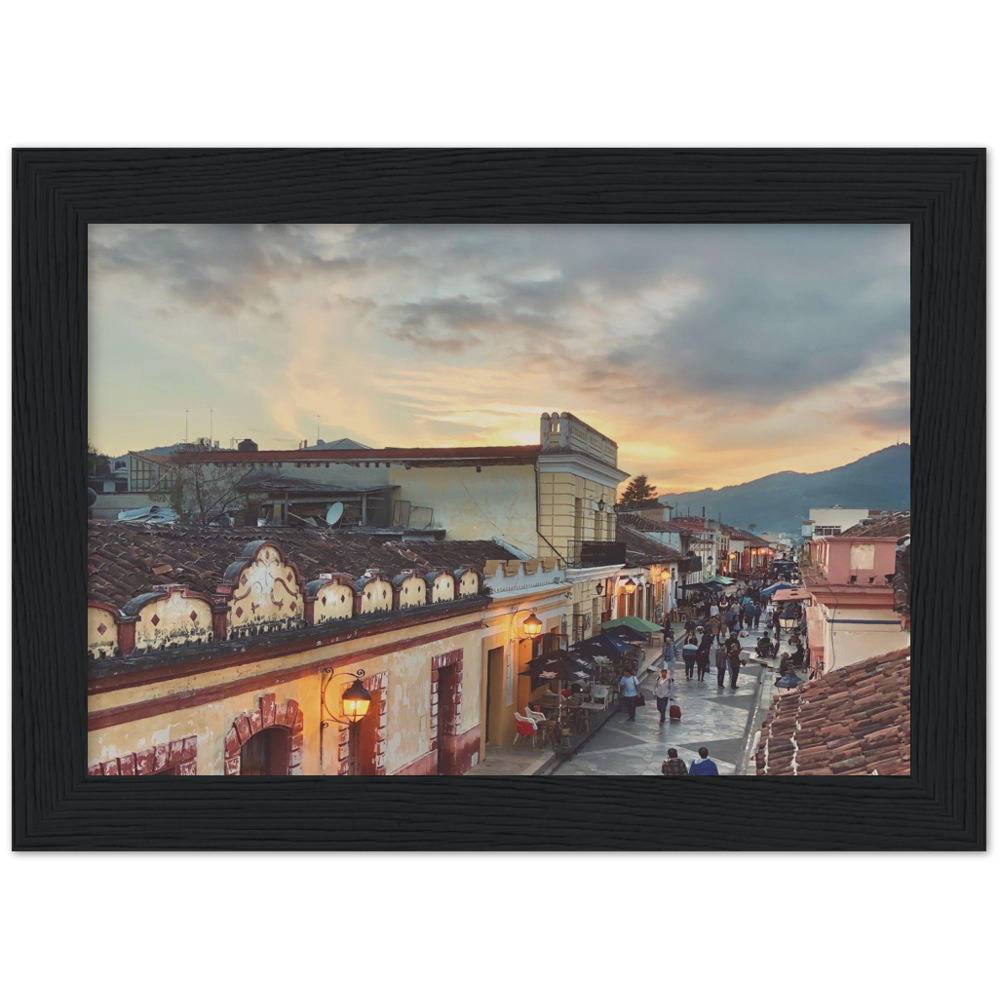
(851, 617)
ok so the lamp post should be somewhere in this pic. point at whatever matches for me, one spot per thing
(786, 619)
(353, 706)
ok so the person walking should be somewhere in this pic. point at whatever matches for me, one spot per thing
(720, 664)
(756, 614)
(776, 624)
(664, 691)
(703, 655)
(734, 662)
(715, 626)
(743, 612)
(731, 617)
(705, 765)
(669, 652)
(630, 692)
(690, 654)
(673, 766)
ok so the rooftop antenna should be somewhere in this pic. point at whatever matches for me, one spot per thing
(210, 415)
(185, 426)
(318, 418)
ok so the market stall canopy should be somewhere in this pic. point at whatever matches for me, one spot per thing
(638, 624)
(704, 588)
(558, 665)
(776, 586)
(726, 581)
(607, 644)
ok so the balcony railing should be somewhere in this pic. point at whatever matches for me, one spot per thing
(585, 552)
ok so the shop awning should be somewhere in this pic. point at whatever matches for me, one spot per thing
(639, 624)
(775, 587)
(559, 665)
(606, 644)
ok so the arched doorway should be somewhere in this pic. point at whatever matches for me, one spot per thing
(267, 752)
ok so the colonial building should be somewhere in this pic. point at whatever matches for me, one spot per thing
(222, 651)
(852, 613)
(743, 551)
(653, 563)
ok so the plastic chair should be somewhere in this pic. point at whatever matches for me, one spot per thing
(532, 715)
(525, 728)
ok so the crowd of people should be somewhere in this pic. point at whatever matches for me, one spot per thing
(711, 636)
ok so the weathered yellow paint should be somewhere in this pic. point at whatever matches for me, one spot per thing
(376, 595)
(101, 643)
(443, 589)
(174, 624)
(413, 593)
(407, 691)
(267, 592)
(338, 603)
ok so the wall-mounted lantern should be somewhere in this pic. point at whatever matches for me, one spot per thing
(351, 708)
(629, 586)
(532, 626)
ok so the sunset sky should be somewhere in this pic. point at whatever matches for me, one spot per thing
(712, 354)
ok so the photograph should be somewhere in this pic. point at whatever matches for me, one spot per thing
(498, 500)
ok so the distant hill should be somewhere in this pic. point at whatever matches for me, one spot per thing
(781, 502)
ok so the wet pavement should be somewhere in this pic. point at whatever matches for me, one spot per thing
(711, 716)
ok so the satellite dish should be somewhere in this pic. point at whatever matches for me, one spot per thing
(335, 513)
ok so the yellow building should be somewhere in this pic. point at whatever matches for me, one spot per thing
(210, 650)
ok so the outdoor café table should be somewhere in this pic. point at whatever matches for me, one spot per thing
(586, 709)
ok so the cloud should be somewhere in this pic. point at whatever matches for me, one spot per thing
(675, 340)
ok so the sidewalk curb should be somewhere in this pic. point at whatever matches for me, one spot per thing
(765, 684)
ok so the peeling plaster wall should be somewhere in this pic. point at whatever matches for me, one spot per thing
(443, 588)
(407, 689)
(498, 502)
(178, 621)
(376, 596)
(413, 593)
(102, 633)
(267, 592)
(335, 600)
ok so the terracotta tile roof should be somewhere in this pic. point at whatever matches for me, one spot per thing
(125, 559)
(894, 526)
(855, 720)
(641, 550)
(744, 536)
(467, 456)
(640, 523)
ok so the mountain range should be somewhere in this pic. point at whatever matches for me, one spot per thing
(781, 501)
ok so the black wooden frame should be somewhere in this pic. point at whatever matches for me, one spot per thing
(939, 193)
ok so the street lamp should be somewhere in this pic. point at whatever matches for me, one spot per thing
(629, 586)
(352, 707)
(601, 505)
(532, 626)
(786, 619)
(665, 575)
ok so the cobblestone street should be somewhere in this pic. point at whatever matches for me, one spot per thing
(711, 716)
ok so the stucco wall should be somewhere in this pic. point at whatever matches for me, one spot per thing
(173, 619)
(847, 644)
(566, 511)
(407, 691)
(102, 633)
(498, 502)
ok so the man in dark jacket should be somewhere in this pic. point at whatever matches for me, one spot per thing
(733, 650)
(673, 766)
